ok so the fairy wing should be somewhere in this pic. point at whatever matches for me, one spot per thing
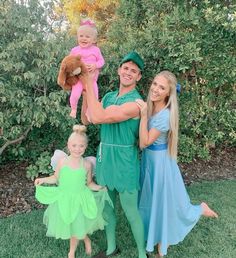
(92, 160)
(58, 154)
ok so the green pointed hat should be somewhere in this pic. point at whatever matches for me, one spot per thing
(135, 58)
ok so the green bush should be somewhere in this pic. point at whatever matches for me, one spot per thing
(193, 39)
(196, 41)
(33, 109)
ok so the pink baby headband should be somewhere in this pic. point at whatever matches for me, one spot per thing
(88, 22)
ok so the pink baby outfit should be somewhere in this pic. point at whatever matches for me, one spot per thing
(89, 55)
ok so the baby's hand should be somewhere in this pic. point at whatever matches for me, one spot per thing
(38, 181)
(91, 67)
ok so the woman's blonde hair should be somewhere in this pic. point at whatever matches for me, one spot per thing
(172, 104)
(79, 130)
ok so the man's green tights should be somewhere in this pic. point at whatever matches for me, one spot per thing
(129, 203)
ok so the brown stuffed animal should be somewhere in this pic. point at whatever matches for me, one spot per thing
(71, 69)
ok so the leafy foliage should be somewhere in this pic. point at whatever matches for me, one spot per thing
(29, 58)
(33, 109)
(194, 39)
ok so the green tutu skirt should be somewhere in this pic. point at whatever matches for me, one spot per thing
(69, 215)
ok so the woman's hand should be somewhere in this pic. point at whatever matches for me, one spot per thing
(142, 106)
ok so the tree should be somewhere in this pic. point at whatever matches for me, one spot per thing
(194, 39)
(101, 11)
(29, 58)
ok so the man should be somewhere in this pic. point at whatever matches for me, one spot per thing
(117, 165)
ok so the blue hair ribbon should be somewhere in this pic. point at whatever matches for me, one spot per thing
(178, 88)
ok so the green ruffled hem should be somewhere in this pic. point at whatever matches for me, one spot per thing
(80, 225)
(69, 204)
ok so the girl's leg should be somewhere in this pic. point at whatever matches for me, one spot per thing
(129, 203)
(76, 92)
(88, 247)
(73, 245)
(207, 211)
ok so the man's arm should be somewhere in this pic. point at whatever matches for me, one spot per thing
(84, 109)
(111, 114)
(114, 114)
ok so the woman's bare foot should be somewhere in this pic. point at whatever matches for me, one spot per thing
(159, 254)
(71, 255)
(207, 211)
(88, 247)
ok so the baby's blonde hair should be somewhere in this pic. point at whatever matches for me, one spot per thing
(79, 130)
(93, 29)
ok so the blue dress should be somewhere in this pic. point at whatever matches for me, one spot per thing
(164, 204)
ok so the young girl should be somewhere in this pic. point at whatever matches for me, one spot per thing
(164, 204)
(90, 55)
(74, 210)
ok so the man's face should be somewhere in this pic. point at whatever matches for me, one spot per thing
(129, 74)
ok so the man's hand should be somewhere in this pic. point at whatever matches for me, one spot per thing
(91, 67)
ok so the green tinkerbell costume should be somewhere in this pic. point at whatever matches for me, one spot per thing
(74, 210)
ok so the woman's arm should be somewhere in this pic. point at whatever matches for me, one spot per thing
(146, 137)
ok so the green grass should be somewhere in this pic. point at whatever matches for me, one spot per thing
(23, 235)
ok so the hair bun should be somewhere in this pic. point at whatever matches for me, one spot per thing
(79, 129)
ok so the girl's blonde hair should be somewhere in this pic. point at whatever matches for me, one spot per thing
(172, 104)
(79, 130)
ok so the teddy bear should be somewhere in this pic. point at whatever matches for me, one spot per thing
(70, 71)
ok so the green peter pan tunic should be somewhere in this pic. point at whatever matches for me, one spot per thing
(117, 164)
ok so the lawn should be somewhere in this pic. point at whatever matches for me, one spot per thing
(23, 235)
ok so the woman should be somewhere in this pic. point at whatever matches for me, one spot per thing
(164, 204)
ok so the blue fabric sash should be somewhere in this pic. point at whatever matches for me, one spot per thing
(159, 147)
